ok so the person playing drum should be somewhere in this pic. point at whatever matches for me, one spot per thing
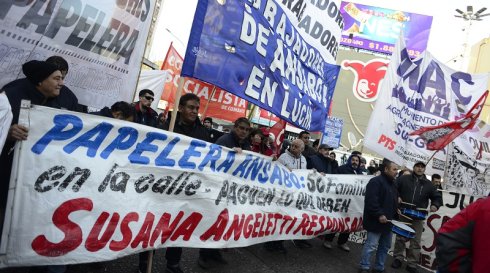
(380, 206)
(417, 190)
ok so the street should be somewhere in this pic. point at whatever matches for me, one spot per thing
(249, 259)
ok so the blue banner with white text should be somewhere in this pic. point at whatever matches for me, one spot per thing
(276, 56)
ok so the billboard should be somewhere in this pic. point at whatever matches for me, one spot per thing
(377, 29)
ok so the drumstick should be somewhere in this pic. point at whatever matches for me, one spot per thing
(407, 203)
(406, 223)
(401, 214)
(421, 209)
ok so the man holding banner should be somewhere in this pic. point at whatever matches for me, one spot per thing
(187, 124)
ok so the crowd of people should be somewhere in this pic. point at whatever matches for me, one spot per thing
(388, 191)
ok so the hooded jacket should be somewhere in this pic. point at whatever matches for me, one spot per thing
(348, 169)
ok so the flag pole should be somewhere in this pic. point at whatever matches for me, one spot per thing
(252, 110)
(431, 157)
(207, 103)
(176, 104)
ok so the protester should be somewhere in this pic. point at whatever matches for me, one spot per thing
(436, 181)
(119, 110)
(237, 138)
(259, 139)
(315, 145)
(305, 137)
(255, 139)
(414, 189)
(144, 114)
(362, 166)
(380, 205)
(162, 119)
(335, 163)
(351, 167)
(292, 159)
(42, 86)
(462, 243)
(5, 120)
(213, 133)
(186, 123)
(321, 161)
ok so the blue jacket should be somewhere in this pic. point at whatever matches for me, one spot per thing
(381, 199)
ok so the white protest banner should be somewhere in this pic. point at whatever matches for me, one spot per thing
(103, 42)
(104, 188)
(417, 93)
(153, 80)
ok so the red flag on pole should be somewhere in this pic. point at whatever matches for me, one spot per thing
(437, 137)
(278, 131)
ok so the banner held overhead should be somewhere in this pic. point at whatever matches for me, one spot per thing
(281, 57)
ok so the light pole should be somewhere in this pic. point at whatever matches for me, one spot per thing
(468, 16)
(176, 37)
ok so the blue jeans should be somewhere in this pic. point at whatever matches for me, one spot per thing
(381, 241)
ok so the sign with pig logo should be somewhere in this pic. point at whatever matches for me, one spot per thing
(367, 77)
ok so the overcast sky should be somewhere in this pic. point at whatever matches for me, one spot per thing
(445, 42)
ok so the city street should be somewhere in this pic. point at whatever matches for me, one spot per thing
(251, 259)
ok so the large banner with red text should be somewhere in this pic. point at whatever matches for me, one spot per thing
(104, 188)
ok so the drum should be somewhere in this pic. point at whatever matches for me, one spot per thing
(414, 214)
(402, 230)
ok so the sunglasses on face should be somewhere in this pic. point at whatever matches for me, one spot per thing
(149, 98)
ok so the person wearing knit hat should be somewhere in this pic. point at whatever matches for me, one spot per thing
(37, 71)
(41, 86)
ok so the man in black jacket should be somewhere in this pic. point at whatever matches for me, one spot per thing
(351, 167)
(237, 138)
(43, 85)
(120, 110)
(213, 133)
(143, 112)
(187, 124)
(417, 190)
(380, 205)
(321, 161)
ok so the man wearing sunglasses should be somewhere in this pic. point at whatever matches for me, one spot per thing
(143, 112)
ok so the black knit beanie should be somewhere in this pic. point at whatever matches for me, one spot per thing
(38, 71)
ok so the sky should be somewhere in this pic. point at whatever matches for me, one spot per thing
(446, 39)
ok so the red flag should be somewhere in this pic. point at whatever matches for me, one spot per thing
(278, 131)
(479, 155)
(437, 137)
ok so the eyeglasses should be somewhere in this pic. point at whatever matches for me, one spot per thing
(149, 98)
